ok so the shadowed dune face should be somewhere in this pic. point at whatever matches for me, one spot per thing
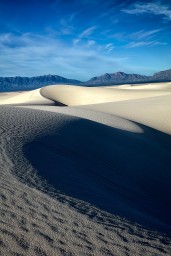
(123, 173)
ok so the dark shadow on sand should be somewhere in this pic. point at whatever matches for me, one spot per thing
(123, 173)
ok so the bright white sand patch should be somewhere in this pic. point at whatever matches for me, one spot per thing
(27, 97)
(154, 112)
(77, 95)
(149, 105)
(150, 86)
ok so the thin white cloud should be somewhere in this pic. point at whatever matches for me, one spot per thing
(159, 43)
(87, 32)
(85, 35)
(144, 34)
(151, 8)
(139, 35)
(138, 44)
(144, 43)
(77, 42)
(109, 47)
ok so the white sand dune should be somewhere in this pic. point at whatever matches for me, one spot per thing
(24, 97)
(154, 112)
(146, 86)
(86, 179)
(77, 95)
(150, 106)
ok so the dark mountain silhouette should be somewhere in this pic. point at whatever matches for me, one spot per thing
(28, 83)
(121, 77)
(118, 77)
(163, 75)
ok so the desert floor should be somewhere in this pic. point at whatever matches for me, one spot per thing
(86, 171)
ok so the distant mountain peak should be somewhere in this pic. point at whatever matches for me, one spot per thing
(120, 77)
(120, 73)
(117, 77)
(30, 83)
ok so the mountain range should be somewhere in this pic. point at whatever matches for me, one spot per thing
(121, 77)
(29, 83)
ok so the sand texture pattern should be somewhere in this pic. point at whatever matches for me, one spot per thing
(86, 175)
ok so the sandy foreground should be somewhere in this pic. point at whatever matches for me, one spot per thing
(86, 171)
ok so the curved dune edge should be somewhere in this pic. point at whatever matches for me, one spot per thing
(150, 106)
(154, 112)
(96, 116)
(147, 104)
(79, 95)
(24, 97)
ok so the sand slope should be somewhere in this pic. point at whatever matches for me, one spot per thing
(87, 179)
(79, 95)
(24, 97)
(150, 106)
(153, 112)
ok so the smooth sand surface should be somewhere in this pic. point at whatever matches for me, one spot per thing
(78, 95)
(86, 179)
(154, 112)
(149, 105)
(24, 97)
(146, 86)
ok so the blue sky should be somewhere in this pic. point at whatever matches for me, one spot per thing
(84, 38)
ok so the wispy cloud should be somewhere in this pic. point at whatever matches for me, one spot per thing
(144, 38)
(31, 54)
(109, 47)
(145, 34)
(85, 35)
(151, 8)
(137, 36)
(144, 43)
(87, 32)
